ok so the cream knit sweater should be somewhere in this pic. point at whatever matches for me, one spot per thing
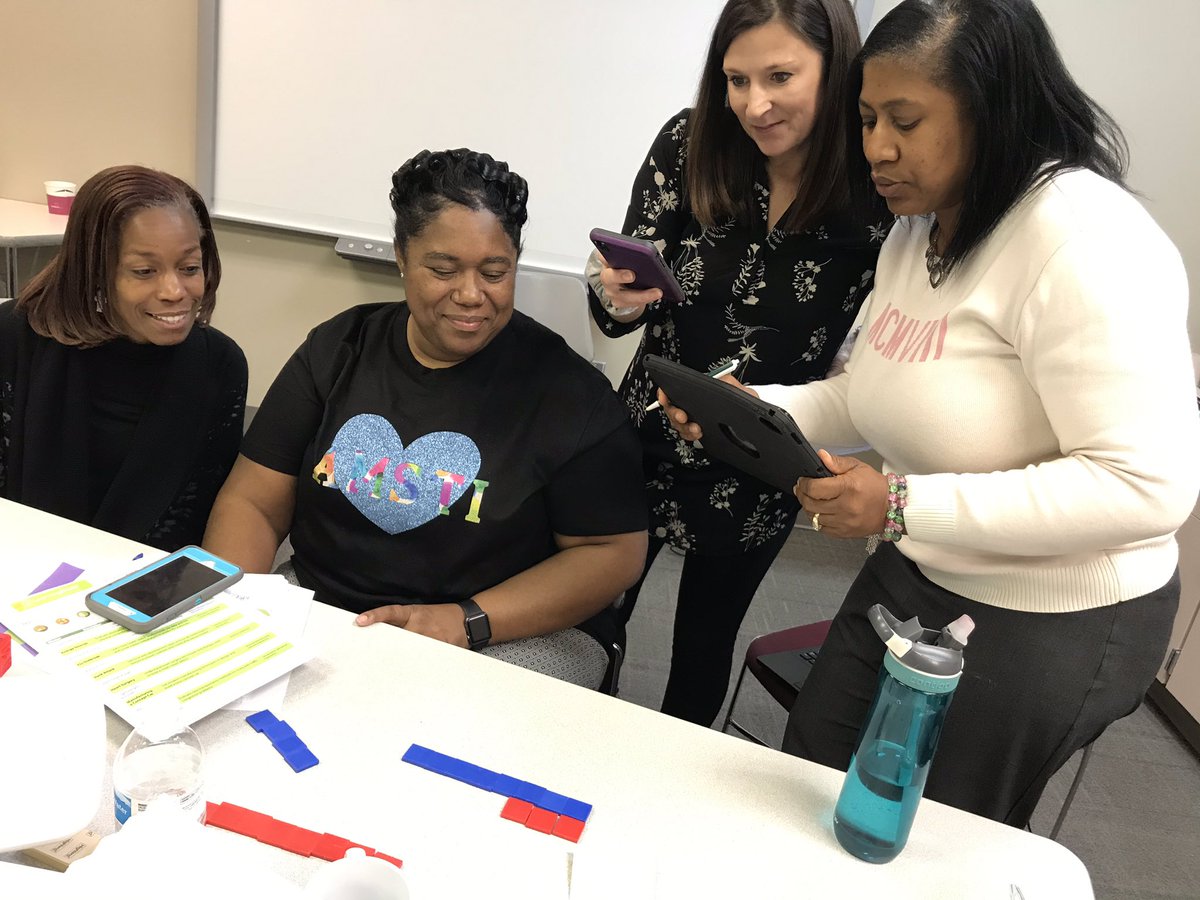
(1040, 401)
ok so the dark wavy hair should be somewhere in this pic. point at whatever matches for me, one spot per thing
(423, 186)
(60, 301)
(721, 157)
(1030, 119)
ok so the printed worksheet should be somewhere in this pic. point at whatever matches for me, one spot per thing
(215, 653)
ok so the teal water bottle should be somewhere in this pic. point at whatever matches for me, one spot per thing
(886, 778)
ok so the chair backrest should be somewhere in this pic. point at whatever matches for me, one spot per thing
(560, 303)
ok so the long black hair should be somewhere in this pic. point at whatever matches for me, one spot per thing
(1030, 119)
(722, 157)
(425, 184)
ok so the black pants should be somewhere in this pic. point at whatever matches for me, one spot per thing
(714, 594)
(1036, 687)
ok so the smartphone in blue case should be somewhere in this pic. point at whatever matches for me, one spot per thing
(157, 593)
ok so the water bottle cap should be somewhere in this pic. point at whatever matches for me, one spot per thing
(922, 650)
(163, 717)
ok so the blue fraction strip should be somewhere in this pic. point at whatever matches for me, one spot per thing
(495, 782)
(259, 720)
(283, 738)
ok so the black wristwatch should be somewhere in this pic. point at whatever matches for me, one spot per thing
(475, 621)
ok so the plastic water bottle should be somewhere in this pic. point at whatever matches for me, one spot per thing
(886, 778)
(162, 761)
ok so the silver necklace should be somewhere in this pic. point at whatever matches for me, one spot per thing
(934, 264)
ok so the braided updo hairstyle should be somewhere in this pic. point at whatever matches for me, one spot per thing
(423, 186)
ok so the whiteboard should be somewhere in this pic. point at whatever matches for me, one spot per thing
(316, 103)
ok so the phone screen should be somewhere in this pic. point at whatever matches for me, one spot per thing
(160, 589)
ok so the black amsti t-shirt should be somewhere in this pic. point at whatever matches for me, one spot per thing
(427, 485)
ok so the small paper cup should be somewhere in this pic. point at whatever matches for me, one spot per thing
(59, 196)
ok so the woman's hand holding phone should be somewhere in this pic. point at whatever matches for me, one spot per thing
(632, 274)
(625, 300)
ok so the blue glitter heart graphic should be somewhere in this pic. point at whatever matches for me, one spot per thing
(400, 488)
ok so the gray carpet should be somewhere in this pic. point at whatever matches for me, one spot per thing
(1135, 821)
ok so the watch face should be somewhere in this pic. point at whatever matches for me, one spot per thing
(477, 627)
(479, 630)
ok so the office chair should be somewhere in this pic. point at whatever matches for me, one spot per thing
(615, 648)
(781, 660)
(1062, 813)
(560, 303)
(612, 677)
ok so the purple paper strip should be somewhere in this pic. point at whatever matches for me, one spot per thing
(17, 642)
(64, 574)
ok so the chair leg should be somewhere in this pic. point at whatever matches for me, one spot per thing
(615, 657)
(1062, 813)
(748, 735)
(733, 700)
(729, 723)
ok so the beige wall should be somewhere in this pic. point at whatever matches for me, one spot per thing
(277, 284)
(121, 88)
(124, 90)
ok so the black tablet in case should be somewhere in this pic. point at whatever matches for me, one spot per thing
(739, 428)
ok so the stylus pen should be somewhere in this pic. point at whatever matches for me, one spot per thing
(727, 369)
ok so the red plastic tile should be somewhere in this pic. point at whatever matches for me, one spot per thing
(541, 820)
(332, 848)
(568, 828)
(289, 837)
(516, 810)
(212, 814)
(398, 863)
(241, 820)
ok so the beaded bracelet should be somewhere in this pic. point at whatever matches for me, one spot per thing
(897, 498)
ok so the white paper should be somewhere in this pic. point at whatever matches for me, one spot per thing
(212, 655)
(287, 606)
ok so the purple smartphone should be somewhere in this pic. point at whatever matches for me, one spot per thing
(642, 257)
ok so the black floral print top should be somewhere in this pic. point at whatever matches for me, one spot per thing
(779, 302)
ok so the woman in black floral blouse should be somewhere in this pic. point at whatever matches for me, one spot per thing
(745, 196)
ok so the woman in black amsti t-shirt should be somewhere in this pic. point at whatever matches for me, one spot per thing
(445, 462)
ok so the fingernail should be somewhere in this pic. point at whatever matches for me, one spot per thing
(362, 620)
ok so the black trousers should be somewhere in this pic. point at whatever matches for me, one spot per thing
(1036, 687)
(714, 594)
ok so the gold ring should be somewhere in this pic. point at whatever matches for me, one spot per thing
(816, 521)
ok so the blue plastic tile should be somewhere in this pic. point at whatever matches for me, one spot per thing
(289, 745)
(428, 759)
(301, 759)
(523, 790)
(277, 731)
(260, 719)
(441, 763)
(417, 755)
(553, 802)
(504, 785)
(471, 774)
(576, 809)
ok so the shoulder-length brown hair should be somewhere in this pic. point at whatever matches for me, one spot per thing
(60, 302)
(721, 157)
